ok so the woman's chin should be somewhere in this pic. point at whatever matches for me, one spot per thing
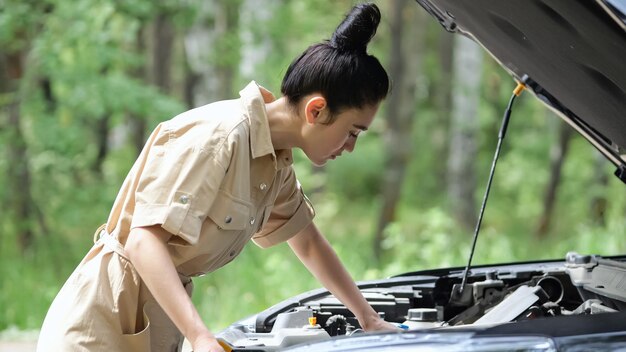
(317, 160)
(319, 163)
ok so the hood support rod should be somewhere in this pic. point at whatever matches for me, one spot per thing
(505, 123)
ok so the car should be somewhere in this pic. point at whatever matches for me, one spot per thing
(570, 55)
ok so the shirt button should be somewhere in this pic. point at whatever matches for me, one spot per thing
(252, 219)
(262, 186)
(228, 219)
(184, 199)
(232, 253)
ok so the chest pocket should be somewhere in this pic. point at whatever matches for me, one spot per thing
(230, 213)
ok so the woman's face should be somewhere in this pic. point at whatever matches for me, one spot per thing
(328, 141)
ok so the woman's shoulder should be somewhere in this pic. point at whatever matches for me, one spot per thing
(210, 125)
(221, 114)
(209, 120)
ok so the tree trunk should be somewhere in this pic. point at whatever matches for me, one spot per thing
(211, 61)
(227, 25)
(199, 43)
(159, 74)
(467, 67)
(102, 140)
(137, 124)
(443, 104)
(163, 42)
(600, 183)
(48, 95)
(558, 153)
(190, 82)
(406, 45)
(493, 98)
(19, 198)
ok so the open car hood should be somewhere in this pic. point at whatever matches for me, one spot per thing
(570, 54)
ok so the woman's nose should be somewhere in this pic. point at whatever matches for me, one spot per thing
(350, 144)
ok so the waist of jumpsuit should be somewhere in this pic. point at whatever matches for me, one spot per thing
(110, 241)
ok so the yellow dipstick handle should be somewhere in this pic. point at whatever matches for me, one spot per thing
(518, 90)
(312, 321)
(225, 345)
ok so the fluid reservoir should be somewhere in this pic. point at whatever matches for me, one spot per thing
(421, 318)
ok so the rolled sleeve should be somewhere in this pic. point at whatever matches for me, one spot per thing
(290, 214)
(174, 218)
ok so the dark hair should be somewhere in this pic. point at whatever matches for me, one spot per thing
(340, 68)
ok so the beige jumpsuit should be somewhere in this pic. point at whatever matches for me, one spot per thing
(209, 176)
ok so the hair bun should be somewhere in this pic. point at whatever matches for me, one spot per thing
(357, 29)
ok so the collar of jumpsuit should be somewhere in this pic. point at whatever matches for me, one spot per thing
(260, 138)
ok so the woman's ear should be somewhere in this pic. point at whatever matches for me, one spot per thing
(314, 109)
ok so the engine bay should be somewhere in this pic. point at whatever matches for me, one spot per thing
(492, 295)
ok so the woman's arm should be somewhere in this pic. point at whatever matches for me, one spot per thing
(320, 259)
(146, 248)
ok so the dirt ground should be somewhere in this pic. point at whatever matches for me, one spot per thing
(14, 340)
(18, 346)
(28, 343)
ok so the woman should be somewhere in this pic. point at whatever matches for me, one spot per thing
(208, 181)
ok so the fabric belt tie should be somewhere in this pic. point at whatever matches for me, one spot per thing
(111, 242)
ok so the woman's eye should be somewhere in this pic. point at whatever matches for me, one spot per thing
(353, 134)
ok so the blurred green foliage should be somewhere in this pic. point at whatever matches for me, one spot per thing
(87, 50)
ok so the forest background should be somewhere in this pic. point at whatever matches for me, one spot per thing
(83, 82)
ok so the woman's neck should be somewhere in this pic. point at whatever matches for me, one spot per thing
(285, 125)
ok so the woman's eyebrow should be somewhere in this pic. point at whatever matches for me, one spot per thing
(360, 127)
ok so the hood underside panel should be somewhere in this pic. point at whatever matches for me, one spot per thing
(573, 53)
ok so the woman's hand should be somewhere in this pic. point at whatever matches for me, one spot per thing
(378, 324)
(206, 343)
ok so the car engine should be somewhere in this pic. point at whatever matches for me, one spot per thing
(492, 295)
